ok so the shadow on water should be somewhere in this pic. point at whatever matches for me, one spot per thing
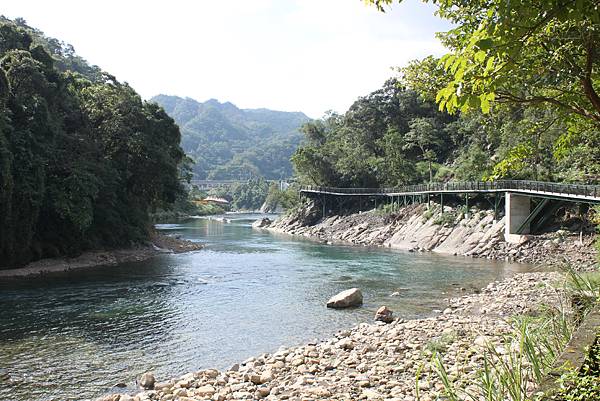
(89, 301)
(83, 329)
(75, 336)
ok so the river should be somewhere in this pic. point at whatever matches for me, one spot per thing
(75, 336)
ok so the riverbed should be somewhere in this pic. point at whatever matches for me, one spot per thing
(78, 335)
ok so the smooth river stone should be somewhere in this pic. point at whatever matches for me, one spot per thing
(345, 299)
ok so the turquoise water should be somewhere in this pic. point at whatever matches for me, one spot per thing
(75, 336)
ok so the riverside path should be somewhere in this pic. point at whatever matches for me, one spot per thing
(517, 194)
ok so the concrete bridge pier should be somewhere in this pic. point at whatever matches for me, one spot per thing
(517, 210)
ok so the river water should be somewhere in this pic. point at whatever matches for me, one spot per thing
(76, 336)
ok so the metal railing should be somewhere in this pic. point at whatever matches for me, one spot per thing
(578, 190)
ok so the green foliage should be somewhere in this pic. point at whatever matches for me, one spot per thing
(577, 151)
(429, 213)
(597, 221)
(441, 344)
(472, 165)
(229, 143)
(423, 134)
(514, 163)
(582, 384)
(539, 52)
(394, 137)
(529, 353)
(426, 76)
(540, 58)
(580, 387)
(528, 70)
(286, 199)
(385, 209)
(531, 349)
(82, 162)
(249, 195)
(377, 142)
(445, 219)
(186, 204)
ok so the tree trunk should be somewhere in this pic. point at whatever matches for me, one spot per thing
(430, 173)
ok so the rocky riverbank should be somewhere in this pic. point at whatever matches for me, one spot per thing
(416, 229)
(393, 361)
(376, 361)
(157, 245)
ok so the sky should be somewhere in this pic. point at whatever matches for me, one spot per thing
(292, 55)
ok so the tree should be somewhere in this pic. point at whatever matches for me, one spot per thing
(82, 162)
(377, 142)
(539, 52)
(423, 135)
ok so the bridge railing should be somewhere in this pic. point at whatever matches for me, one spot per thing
(592, 191)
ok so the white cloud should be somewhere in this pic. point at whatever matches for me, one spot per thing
(306, 55)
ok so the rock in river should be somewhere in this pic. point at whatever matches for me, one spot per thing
(384, 314)
(262, 223)
(147, 381)
(345, 299)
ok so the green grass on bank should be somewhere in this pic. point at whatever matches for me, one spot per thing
(164, 216)
(582, 385)
(534, 346)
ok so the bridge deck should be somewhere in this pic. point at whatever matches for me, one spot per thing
(569, 192)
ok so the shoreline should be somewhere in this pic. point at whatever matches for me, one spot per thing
(159, 244)
(370, 361)
(415, 229)
(378, 361)
(375, 361)
(391, 362)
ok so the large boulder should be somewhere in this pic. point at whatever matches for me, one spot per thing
(262, 223)
(345, 299)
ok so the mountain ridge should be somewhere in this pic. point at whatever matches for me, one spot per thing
(228, 142)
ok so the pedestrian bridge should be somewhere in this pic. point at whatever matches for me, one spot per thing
(517, 195)
(207, 185)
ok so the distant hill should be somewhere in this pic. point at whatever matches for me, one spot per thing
(231, 143)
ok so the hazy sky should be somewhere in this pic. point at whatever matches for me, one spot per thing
(293, 55)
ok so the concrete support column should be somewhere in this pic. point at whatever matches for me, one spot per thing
(517, 209)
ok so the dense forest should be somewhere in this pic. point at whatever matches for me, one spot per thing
(226, 142)
(83, 159)
(396, 136)
(516, 97)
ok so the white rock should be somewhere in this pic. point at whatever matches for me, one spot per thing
(345, 299)
(480, 341)
(318, 391)
(147, 381)
(266, 377)
(205, 391)
(346, 344)
(372, 395)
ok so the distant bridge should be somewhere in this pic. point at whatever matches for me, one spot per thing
(214, 200)
(207, 185)
(517, 195)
